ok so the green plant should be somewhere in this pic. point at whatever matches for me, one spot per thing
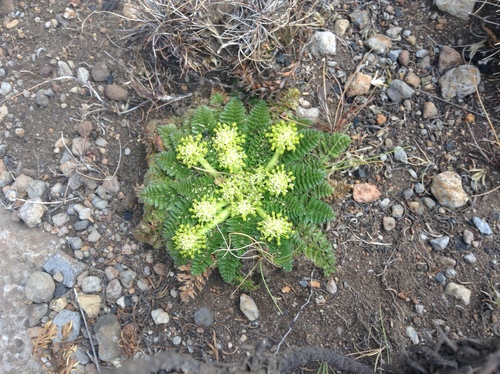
(230, 185)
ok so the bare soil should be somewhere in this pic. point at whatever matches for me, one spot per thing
(381, 276)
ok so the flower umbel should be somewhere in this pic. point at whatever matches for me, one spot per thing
(205, 210)
(191, 149)
(275, 227)
(284, 136)
(232, 159)
(188, 240)
(226, 136)
(279, 181)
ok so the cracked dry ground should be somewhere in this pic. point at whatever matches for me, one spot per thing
(386, 280)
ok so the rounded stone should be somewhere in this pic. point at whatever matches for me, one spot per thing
(203, 317)
(40, 287)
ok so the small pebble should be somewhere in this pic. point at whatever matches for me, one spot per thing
(470, 258)
(482, 226)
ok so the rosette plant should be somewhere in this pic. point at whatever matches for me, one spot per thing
(228, 185)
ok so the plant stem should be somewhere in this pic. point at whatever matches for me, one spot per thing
(261, 212)
(208, 168)
(221, 217)
(274, 160)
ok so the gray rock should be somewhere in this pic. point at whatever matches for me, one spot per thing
(94, 235)
(400, 155)
(323, 43)
(419, 309)
(81, 356)
(311, 113)
(248, 307)
(412, 334)
(81, 225)
(5, 176)
(42, 97)
(394, 54)
(460, 82)
(32, 211)
(83, 75)
(36, 312)
(419, 188)
(389, 223)
(408, 193)
(482, 226)
(429, 203)
(203, 317)
(399, 91)
(439, 244)
(83, 211)
(111, 185)
(450, 273)
(75, 243)
(111, 272)
(37, 188)
(470, 258)
(398, 211)
(421, 53)
(447, 189)
(108, 334)
(393, 32)
(468, 236)
(160, 317)
(66, 265)
(384, 203)
(127, 278)
(176, 340)
(361, 18)
(113, 290)
(5, 88)
(379, 44)
(62, 318)
(63, 69)
(100, 72)
(39, 287)
(462, 293)
(440, 278)
(60, 219)
(457, 8)
(91, 284)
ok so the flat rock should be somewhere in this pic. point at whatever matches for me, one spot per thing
(379, 44)
(203, 317)
(399, 91)
(365, 192)
(107, 331)
(457, 8)
(248, 307)
(439, 244)
(91, 284)
(429, 110)
(100, 72)
(66, 265)
(482, 225)
(323, 43)
(447, 189)
(63, 69)
(113, 290)
(361, 18)
(459, 82)
(462, 293)
(62, 318)
(39, 287)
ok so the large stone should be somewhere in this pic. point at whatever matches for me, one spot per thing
(66, 265)
(64, 317)
(323, 44)
(457, 8)
(447, 189)
(365, 192)
(108, 333)
(248, 307)
(39, 287)
(32, 211)
(358, 84)
(459, 82)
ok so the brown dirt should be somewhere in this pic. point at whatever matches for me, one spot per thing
(380, 275)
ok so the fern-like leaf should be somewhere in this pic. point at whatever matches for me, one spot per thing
(324, 189)
(158, 195)
(228, 265)
(203, 120)
(318, 212)
(311, 139)
(170, 136)
(259, 117)
(168, 163)
(333, 145)
(201, 262)
(313, 242)
(234, 112)
(307, 176)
